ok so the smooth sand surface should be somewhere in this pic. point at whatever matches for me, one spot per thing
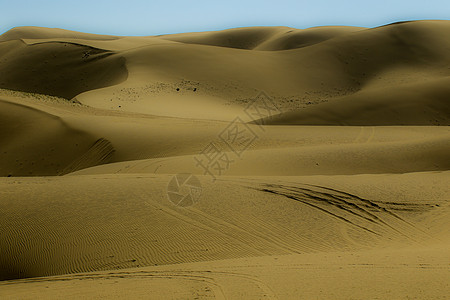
(338, 187)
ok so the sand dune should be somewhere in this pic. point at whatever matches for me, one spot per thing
(127, 221)
(340, 192)
(332, 63)
(328, 157)
(408, 104)
(387, 224)
(30, 32)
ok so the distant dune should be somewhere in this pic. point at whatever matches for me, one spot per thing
(340, 191)
(339, 73)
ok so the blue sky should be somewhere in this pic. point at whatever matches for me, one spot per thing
(139, 17)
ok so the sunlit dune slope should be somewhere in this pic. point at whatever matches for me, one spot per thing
(92, 223)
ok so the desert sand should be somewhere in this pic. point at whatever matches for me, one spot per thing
(331, 164)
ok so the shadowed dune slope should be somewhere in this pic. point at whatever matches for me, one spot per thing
(299, 38)
(263, 38)
(34, 142)
(240, 38)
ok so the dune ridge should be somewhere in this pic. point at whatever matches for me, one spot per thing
(42, 68)
(32, 32)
